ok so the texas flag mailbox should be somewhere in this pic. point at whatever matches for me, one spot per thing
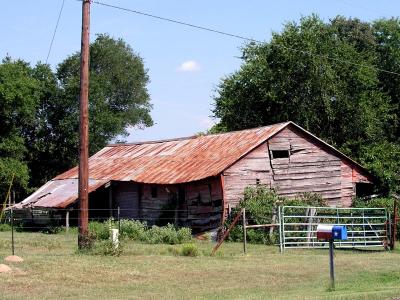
(331, 232)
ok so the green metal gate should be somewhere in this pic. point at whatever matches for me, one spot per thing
(366, 227)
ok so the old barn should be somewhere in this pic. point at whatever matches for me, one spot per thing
(193, 181)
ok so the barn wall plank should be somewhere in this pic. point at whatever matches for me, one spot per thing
(253, 168)
(126, 196)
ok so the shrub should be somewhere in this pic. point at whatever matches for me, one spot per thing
(134, 230)
(261, 203)
(184, 234)
(100, 230)
(5, 227)
(138, 231)
(168, 235)
(189, 250)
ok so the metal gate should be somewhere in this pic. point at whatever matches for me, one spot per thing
(366, 227)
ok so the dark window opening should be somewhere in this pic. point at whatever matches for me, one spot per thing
(154, 192)
(280, 154)
(364, 189)
(258, 181)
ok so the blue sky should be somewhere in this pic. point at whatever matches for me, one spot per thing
(185, 65)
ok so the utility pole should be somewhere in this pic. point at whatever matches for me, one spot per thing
(83, 179)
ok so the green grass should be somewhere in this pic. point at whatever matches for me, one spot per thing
(53, 269)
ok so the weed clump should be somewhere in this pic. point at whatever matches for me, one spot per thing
(189, 250)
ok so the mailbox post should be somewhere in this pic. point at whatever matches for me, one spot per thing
(330, 233)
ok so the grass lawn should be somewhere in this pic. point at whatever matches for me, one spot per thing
(52, 270)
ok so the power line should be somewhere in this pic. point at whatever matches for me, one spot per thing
(239, 36)
(55, 31)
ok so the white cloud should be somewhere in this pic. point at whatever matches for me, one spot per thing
(189, 66)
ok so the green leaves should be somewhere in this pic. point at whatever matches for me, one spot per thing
(39, 110)
(324, 77)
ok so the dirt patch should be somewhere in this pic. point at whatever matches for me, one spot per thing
(13, 258)
(4, 268)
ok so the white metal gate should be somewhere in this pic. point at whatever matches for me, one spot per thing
(366, 227)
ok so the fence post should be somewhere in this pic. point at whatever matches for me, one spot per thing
(280, 229)
(119, 220)
(244, 232)
(67, 221)
(331, 265)
(12, 232)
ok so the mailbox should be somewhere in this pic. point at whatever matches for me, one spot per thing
(324, 232)
(331, 232)
(339, 232)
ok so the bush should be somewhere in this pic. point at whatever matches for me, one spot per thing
(133, 230)
(100, 230)
(138, 231)
(189, 250)
(168, 235)
(261, 204)
(5, 227)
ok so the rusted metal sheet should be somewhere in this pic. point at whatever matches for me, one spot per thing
(174, 161)
(57, 193)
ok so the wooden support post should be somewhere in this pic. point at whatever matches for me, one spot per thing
(271, 229)
(110, 204)
(12, 231)
(244, 231)
(226, 233)
(67, 221)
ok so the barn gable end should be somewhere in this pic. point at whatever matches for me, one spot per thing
(294, 162)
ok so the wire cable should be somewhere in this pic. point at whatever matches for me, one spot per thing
(55, 31)
(238, 36)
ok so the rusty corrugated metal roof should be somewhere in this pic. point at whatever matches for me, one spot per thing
(174, 161)
(57, 193)
(161, 162)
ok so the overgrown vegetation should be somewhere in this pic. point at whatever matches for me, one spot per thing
(261, 206)
(5, 227)
(139, 231)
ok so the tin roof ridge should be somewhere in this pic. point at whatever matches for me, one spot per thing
(193, 136)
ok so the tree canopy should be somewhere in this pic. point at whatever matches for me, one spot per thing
(40, 110)
(326, 77)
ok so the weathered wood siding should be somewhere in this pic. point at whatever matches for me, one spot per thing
(152, 207)
(126, 196)
(195, 204)
(204, 204)
(310, 167)
(252, 168)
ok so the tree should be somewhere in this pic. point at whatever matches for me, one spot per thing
(118, 99)
(19, 92)
(327, 78)
(342, 102)
(387, 36)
